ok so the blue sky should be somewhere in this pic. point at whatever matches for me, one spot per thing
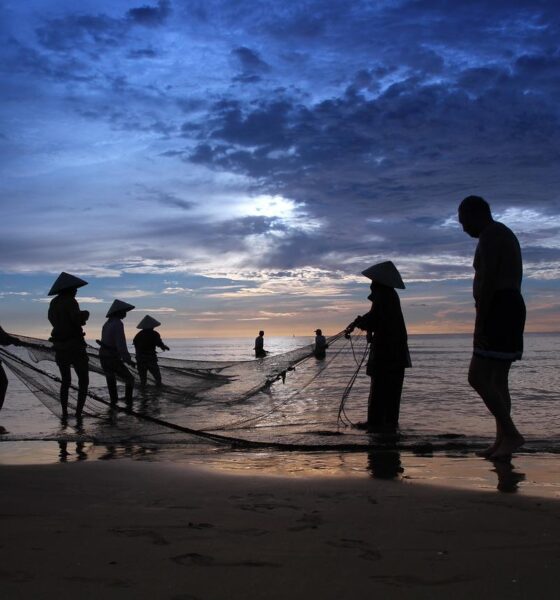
(231, 165)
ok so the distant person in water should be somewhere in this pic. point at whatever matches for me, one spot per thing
(500, 318)
(67, 338)
(320, 347)
(5, 340)
(260, 352)
(388, 356)
(145, 343)
(113, 352)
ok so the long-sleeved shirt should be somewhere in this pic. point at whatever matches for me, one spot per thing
(66, 318)
(113, 339)
(385, 324)
(146, 341)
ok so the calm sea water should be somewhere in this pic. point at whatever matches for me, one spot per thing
(436, 397)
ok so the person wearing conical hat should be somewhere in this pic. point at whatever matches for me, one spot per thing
(5, 340)
(145, 343)
(389, 356)
(320, 347)
(67, 338)
(114, 354)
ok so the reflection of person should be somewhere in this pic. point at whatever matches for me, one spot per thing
(260, 352)
(67, 338)
(5, 340)
(385, 464)
(113, 352)
(145, 343)
(388, 357)
(508, 478)
(320, 348)
(500, 318)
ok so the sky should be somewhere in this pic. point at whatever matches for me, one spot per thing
(232, 165)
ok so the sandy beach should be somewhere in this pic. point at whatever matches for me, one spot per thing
(134, 529)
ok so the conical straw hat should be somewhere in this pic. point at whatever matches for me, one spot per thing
(65, 281)
(385, 273)
(148, 323)
(117, 306)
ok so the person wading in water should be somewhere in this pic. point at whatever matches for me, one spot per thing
(67, 338)
(388, 356)
(113, 352)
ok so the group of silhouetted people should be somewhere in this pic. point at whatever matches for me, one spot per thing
(69, 345)
(497, 341)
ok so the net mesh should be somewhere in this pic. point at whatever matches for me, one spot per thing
(235, 402)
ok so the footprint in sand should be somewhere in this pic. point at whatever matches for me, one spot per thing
(364, 550)
(154, 537)
(308, 521)
(203, 560)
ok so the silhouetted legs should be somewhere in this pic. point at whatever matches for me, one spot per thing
(113, 368)
(145, 366)
(79, 361)
(489, 378)
(385, 400)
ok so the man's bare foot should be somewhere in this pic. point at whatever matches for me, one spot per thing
(507, 447)
(487, 452)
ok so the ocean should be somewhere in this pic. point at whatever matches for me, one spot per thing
(438, 409)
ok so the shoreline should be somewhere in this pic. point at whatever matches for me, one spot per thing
(137, 529)
(530, 475)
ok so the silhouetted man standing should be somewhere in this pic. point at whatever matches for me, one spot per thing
(260, 352)
(500, 318)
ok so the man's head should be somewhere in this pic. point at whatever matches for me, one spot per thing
(474, 215)
(261, 333)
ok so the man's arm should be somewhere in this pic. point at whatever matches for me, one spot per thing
(487, 276)
(159, 342)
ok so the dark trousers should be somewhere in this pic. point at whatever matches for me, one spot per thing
(114, 367)
(78, 360)
(148, 365)
(385, 398)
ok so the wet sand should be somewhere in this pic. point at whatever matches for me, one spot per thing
(136, 529)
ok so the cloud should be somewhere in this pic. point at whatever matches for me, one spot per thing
(150, 15)
(161, 309)
(90, 300)
(251, 64)
(6, 294)
(176, 290)
(277, 147)
(133, 293)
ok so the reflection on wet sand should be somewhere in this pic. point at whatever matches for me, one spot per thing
(64, 453)
(508, 478)
(385, 464)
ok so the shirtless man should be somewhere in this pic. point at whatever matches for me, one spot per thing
(500, 318)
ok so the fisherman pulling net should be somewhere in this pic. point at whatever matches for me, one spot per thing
(210, 398)
(239, 401)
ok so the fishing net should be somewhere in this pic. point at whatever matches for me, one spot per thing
(285, 400)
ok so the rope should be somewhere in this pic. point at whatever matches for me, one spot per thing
(342, 417)
(235, 424)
